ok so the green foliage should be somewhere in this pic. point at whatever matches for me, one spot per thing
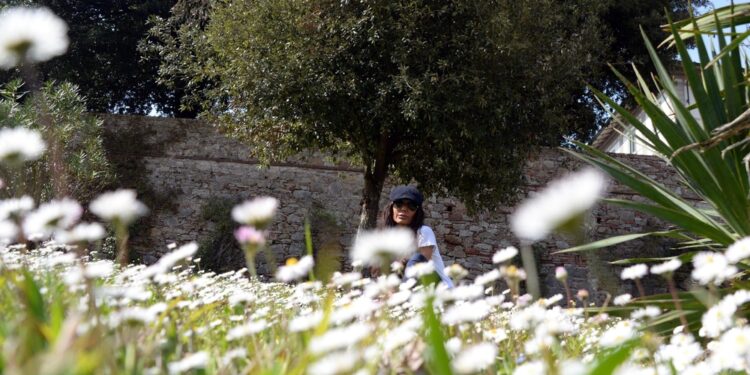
(386, 83)
(85, 163)
(219, 251)
(103, 58)
(710, 161)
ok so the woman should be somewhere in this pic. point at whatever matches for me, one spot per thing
(406, 210)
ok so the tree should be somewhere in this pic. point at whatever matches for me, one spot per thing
(450, 94)
(453, 95)
(103, 60)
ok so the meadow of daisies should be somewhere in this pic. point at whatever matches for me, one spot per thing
(67, 308)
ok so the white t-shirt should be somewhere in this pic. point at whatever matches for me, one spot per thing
(426, 237)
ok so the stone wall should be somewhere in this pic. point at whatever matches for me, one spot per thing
(183, 165)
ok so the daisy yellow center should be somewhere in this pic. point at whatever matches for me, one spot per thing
(291, 261)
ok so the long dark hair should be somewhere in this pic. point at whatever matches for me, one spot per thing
(415, 224)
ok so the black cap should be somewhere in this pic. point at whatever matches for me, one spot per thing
(407, 192)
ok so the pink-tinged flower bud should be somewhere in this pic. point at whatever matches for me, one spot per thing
(583, 294)
(561, 274)
(247, 235)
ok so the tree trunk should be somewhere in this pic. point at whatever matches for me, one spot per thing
(375, 174)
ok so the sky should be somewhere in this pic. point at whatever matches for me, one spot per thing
(717, 4)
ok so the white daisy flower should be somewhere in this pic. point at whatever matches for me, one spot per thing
(120, 205)
(466, 312)
(738, 250)
(83, 232)
(475, 358)
(504, 255)
(667, 267)
(31, 34)
(257, 212)
(559, 203)
(169, 260)
(618, 334)
(340, 338)
(305, 322)
(197, 360)
(420, 269)
(294, 269)
(622, 299)
(487, 277)
(718, 318)
(247, 329)
(710, 267)
(233, 354)
(375, 247)
(634, 272)
(649, 312)
(15, 207)
(51, 216)
(335, 363)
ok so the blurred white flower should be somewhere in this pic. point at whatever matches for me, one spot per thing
(553, 207)
(249, 235)
(531, 368)
(487, 277)
(233, 354)
(15, 207)
(738, 250)
(397, 338)
(453, 345)
(462, 293)
(8, 231)
(420, 269)
(306, 322)
(241, 297)
(711, 267)
(340, 338)
(634, 272)
(399, 297)
(137, 314)
(342, 279)
(257, 212)
(197, 360)
(342, 362)
(466, 312)
(83, 232)
(681, 351)
(120, 205)
(169, 260)
(667, 267)
(504, 255)
(359, 308)
(294, 269)
(622, 299)
(456, 272)
(561, 273)
(649, 312)
(718, 318)
(618, 334)
(247, 329)
(475, 358)
(99, 269)
(51, 216)
(375, 247)
(31, 34)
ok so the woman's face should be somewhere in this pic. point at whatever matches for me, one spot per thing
(404, 211)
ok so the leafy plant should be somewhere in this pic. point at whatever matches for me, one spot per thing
(710, 160)
(87, 169)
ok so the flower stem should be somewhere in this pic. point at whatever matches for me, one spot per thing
(677, 303)
(529, 265)
(641, 291)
